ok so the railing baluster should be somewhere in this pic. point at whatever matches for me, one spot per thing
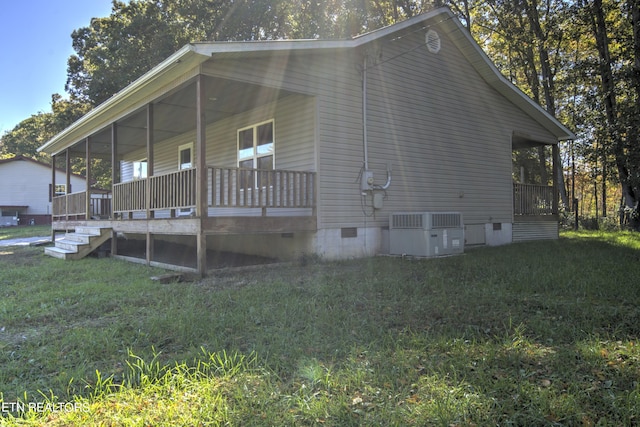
(532, 199)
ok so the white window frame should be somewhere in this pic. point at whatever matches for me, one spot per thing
(181, 148)
(138, 172)
(255, 155)
(60, 190)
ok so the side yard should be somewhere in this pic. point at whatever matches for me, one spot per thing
(540, 333)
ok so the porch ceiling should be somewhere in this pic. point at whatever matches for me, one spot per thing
(175, 114)
(522, 140)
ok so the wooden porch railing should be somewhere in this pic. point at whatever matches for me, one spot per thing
(75, 205)
(173, 190)
(255, 188)
(228, 188)
(130, 196)
(532, 199)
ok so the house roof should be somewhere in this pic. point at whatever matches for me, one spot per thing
(21, 158)
(24, 158)
(192, 55)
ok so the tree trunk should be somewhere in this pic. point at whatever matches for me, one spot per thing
(548, 86)
(610, 103)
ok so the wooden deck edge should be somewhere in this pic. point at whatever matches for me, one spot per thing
(157, 264)
(193, 226)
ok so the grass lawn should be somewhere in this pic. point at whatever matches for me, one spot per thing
(541, 333)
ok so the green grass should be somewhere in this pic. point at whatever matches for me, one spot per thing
(541, 333)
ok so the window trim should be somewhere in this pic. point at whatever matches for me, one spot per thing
(146, 170)
(182, 148)
(255, 156)
(60, 190)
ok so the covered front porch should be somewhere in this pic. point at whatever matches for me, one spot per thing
(152, 195)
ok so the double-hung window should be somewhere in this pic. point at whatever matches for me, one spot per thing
(256, 148)
(60, 190)
(140, 169)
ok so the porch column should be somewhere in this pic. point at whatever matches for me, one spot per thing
(67, 175)
(87, 205)
(150, 213)
(115, 178)
(150, 141)
(201, 174)
(67, 171)
(53, 194)
(555, 154)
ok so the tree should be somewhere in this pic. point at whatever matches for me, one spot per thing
(619, 90)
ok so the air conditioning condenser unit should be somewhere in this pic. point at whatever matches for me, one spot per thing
(426, 234)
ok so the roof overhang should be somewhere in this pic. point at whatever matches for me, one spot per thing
(188, 59)
(127, 100)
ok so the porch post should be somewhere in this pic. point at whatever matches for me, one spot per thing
(115, 178)
(201, 174)
(67, 171)
(150, 213)
(555, 153)
(150, 141)
(115, 164)
(87, 205)
(53, 194)
(67, 188)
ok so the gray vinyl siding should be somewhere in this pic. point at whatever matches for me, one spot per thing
(446, 133)
(294, 118)
(333, 78)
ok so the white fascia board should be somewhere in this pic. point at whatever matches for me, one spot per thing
(390, 29)
(212, 48)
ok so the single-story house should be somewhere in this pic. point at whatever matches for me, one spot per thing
(286, 148)
(26, 191)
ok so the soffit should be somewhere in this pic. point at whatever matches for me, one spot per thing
(175, 114)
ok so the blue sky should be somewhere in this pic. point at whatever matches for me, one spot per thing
(35, 43)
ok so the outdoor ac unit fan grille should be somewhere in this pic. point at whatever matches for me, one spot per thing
(429, 220)
(445, 220)
(407, 221)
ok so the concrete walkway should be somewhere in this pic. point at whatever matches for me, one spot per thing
(26, 241)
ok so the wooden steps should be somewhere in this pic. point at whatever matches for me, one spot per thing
(79, 244)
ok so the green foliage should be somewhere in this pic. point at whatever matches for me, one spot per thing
(527, 334)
